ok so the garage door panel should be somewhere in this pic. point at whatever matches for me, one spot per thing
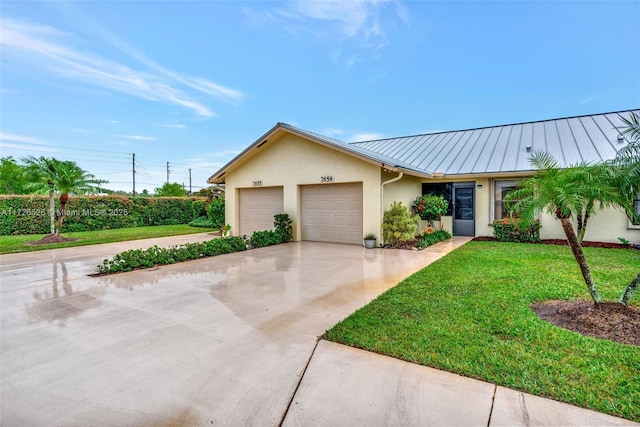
(332, 213)
(257, 206)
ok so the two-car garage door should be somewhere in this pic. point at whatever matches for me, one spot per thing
(331, 213)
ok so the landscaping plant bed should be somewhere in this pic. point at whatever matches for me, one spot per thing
(609, 320)
(563, 242)
(51, 238)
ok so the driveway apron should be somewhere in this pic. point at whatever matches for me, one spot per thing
(220, 341)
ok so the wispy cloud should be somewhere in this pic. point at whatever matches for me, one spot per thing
(363, 23)
(365, 136)
(112, 122)
(174, 126)
(140, 137)
(49, 49)
(24, 143)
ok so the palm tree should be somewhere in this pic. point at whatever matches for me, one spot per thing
(629, 158)
(49, 176)
(42, 176)
(72, 179)
(571, 195)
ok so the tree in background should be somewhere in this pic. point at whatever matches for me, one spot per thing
(170, 190)
(12, 180)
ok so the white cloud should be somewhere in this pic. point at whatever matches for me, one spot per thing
(113, 122)
(332, 132)
(174, 126)
(140, 137)
(366, 136)
(13, 144)
(48, 49)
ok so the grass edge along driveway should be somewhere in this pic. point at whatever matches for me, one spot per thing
(469, 313)
(14, 244)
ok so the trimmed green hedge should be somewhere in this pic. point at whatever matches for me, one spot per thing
(513, 230)
(27, 215)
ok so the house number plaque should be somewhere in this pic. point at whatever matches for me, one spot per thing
(257, 183)
(327, 178)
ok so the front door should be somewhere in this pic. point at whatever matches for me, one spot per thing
(463, 209)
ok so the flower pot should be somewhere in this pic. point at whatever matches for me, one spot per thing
(369, 243)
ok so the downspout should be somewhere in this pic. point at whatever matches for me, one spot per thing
(397, 178)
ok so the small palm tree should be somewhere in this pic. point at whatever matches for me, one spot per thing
(51, 176)
(71, 179)
(571, 195)
(629, 158)
(42, 174)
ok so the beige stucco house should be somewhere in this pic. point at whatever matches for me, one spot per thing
(337, 192)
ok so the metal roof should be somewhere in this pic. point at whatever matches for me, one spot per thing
(497, 149)
(570, 140)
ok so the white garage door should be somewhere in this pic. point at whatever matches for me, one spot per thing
(257, 208)
(331, 213)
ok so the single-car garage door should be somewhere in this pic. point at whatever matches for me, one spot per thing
(257, 208)
(331, 213)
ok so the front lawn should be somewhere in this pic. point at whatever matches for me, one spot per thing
(10, 244)
(470, 313)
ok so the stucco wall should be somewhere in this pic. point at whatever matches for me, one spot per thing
(291, 161)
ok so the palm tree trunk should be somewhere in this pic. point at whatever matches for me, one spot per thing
(628, 292)
(63, 203)
(52, 212)
(578, 254)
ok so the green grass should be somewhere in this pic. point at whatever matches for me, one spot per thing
(469, 313)
(11, 244)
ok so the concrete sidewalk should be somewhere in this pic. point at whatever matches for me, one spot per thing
(348, 386)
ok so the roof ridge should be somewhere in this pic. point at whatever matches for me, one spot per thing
(496, 126)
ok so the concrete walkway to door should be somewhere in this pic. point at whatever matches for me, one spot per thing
(230, 340)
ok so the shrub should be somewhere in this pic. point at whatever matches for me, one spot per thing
(397, 224)
(431, 236)
(215, 213)
(514, 230)
(198, 208)
(146, 258)
(261, 239)
(430, 207)
(30, 215)
(201, 221)
(283, 224)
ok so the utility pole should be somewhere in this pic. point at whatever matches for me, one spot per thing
(133, 162)
(167, 172)
(190, 193)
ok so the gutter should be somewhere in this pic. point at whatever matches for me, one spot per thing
(397, 178)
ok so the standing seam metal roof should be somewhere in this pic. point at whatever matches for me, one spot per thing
(570, 140)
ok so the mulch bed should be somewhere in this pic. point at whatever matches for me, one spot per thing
(50, 238)
(562, 242)
(609, 320)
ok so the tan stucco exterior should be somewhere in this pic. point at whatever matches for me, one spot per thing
(290, 160)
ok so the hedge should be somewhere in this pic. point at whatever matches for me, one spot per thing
(513, 230)
(27, 215)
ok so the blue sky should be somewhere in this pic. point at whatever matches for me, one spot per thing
(194, 82)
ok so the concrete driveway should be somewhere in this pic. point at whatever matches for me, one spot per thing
(220, 341)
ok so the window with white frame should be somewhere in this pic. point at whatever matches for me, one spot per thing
(500, 191)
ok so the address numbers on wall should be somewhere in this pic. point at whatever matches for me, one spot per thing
(257, 183)
(327, 178)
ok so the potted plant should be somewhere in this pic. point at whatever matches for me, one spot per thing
(370, 241)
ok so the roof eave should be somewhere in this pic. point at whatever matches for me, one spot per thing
(218, 177)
